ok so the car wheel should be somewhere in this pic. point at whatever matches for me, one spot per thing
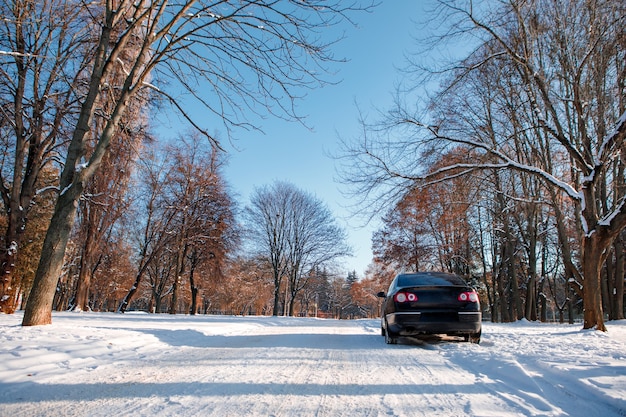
(473, 338)
(390, 338)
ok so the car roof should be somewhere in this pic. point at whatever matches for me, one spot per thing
(429, 279)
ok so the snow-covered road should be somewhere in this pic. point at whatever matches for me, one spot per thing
(98, 364)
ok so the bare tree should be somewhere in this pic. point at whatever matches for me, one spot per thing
(314, 240)
(296, 233)
(102, 208)
(151, 235)
(267, 231)
(564, 60)
(104, 200)
(43, 53)
(189, 221)
(244, 54)
(403, 242)
(339, 297)
(203, 223)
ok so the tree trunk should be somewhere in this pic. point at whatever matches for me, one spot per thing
(83, 285)
(570, 311)
(494, 305)
(63, 295)
(292, 300)
(8, 293)
(82, 288)
(607, 276)
(530, 310)
(194, 301)
(174, 300)
(157, 301)
(129, 295)
(592, 261)
(39, 307)
(503, 302)
(180, 270)
(276, 311)
(194, 290)
(543, 309)
(618, 295)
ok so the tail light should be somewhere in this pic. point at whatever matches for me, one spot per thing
(405, 297)
(468, 296)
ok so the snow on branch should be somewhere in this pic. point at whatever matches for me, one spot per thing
(18, 54)
(618, 133)
(512, 164)
(616, 219)
(47, 189)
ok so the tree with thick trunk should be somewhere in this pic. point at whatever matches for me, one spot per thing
(237, 49)
(40, 42)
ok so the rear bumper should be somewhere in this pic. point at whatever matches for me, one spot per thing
(414, 323)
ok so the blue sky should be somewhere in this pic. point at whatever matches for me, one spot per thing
(290, 152)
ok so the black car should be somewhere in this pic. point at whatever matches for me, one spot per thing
(430, 303)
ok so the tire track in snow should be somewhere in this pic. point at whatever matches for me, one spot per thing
(525, 388)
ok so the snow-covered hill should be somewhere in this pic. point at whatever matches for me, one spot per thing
(100, 364)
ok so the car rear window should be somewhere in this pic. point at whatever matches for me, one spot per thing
(428, 279)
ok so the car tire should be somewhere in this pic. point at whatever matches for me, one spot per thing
(473, 338)
(390, 338)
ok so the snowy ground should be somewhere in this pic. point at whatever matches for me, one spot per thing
(104, 364)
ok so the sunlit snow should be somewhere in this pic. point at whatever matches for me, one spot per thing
(104, 364)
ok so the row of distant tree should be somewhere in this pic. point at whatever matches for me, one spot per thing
(163, 234)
